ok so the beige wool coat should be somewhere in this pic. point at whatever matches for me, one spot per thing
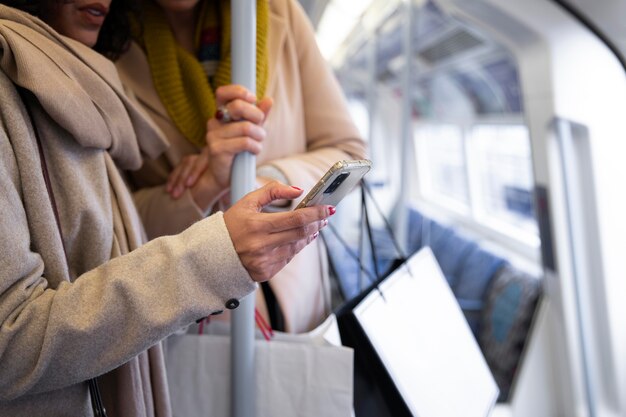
(309, 129)
(76, 305)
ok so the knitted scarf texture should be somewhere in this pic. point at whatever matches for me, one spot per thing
(186, 83)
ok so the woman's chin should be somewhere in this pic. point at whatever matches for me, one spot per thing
(88, 38)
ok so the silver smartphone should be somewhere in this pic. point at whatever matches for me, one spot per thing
(340, 179)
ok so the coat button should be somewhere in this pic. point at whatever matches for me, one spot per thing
(232, 303)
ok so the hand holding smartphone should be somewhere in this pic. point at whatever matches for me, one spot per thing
(340, 179)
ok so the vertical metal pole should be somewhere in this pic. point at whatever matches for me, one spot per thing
(243, 180)
(372, 95)
(407, 156)
(575, 224)
(372, 92)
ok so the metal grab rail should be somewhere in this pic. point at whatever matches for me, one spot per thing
(243, 180)
(572, 189)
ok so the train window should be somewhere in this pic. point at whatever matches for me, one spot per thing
(502, 176)
(472, 146)
(483, 173)
(441, 163)
(471, 143)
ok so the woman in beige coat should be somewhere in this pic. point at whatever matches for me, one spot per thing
(307, 130)
(79, 297)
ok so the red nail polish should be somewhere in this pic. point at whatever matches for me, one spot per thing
(331, 210)
(219, 115)
(297, 188)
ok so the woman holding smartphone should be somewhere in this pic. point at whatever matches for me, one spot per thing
(80, 296)
(179, 70)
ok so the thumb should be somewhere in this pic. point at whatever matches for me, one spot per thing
(270, 192)
(265, 105)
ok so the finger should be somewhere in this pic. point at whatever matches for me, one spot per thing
(280, 257)
(213, 125)
(271, 191)
(294, 248)
(201, 165)
(184, 173)
(265, 105)
(292, 225)
(235, 145)
(184, 170)
(264, 236)
(286, 220)
(236, 129)
(263, 269)
(242, 110)
(305, 233)
(227, 93)
(263, 266)
(172, 179)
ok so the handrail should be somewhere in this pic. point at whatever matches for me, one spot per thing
(572, 181)
(243, 180)
(407, 154)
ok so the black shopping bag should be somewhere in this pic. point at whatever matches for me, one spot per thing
(415, 354)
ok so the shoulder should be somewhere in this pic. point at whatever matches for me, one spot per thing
(289, 10)
(134, 71)
(289, 17)
(133, 63)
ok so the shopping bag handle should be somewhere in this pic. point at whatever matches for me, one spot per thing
(264, 326)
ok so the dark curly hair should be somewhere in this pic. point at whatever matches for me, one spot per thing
(115, 35)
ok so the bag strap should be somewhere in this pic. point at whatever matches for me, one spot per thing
(277, 319)
(375, 276)
(94, 390)
(265, 328)
(402, 256)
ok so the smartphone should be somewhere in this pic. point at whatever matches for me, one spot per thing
(340, 179)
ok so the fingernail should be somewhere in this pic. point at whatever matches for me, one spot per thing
(315, 235)
(331, 210)
(325, 223)
(297, 188)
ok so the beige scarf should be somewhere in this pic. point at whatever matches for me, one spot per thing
(95, 110)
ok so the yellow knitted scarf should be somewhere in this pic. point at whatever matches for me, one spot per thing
(179, 77)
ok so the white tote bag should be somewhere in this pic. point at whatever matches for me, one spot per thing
(305, 375)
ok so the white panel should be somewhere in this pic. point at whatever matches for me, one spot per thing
(568, 73)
